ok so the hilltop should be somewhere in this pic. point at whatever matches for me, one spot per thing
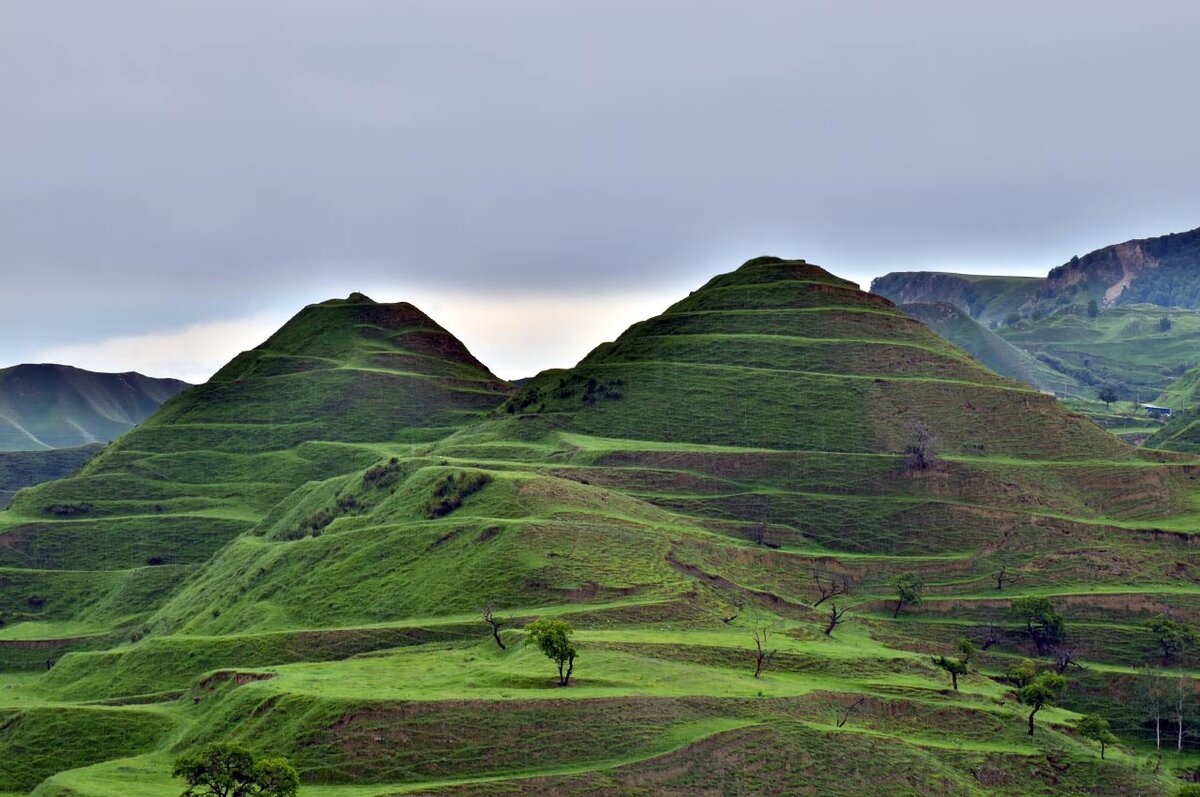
(58, 406)
(683, 487)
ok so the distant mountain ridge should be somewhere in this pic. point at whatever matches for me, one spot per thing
(984, 298)
(47, 406)
(1163, 271)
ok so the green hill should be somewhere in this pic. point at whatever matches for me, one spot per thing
(991, 350)
(684, 489)
(19, 469)
(57, 406)
(341, 385)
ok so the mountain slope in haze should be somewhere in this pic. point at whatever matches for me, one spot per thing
(993, 351)
(986, 298)
(20, 469)
(682, 491)
(58, 406)
(1162, 271)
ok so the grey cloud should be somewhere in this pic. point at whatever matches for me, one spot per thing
(170, 162)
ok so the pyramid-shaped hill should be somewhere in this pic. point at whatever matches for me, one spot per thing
(341, 385)
(784, 355)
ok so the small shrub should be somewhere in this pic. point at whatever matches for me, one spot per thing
(452, 490)
(69, 510)
(380, 476)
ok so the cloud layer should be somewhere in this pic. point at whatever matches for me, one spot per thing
(171, 164)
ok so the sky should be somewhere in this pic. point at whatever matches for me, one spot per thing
(177, 179)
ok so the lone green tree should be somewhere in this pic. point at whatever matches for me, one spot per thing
(957, 667)
(1044, 624)
(229, 770)
(1172, 636)
(1107, 394)
(1165, 323)
(1093, 309)
(1021, 673)
(554, 638)
(1095, 727)
(909, 587)
(1044, 690)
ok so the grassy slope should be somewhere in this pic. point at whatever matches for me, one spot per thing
(674, 491)
(1123, 344)
(57, 406)
(1182, 431)
(990, 349)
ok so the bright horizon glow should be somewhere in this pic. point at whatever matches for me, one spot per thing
(516, 336)
(513, 336)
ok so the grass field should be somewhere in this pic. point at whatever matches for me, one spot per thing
(335, 509)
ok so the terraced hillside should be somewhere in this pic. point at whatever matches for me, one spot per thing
(991, 350)
(57, 406)
(682, 491)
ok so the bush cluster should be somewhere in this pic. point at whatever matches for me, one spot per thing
(452, 490)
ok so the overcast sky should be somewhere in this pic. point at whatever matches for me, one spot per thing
(176, 179)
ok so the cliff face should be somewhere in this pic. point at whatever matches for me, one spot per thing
(1163, 271)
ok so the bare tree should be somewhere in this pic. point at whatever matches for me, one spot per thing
(759, 535)
(990, 635)
(762, 656)
(844, 715)
(737, 612)
(832, 588)
(1153, 693)
(496, 623)
(1179, 706)
(836, 616)
(1064, 656)
(918, 454)
(1004, 577)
